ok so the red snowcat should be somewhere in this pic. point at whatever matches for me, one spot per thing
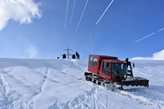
(111, 71)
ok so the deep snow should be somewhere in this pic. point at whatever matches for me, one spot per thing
(60, 84)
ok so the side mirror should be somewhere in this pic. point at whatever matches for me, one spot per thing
(127, 60)
(133, 65)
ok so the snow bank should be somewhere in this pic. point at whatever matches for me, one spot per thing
(59, 84)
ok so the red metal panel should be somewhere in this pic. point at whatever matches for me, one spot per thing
(94, 69)
(98, 68)
(103, 75)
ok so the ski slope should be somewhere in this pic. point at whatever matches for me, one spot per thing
(60, 84)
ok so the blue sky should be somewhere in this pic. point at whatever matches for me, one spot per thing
(130, 28)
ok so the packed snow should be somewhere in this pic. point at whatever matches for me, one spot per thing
(60, 84)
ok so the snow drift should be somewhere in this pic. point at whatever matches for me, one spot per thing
(60, 84)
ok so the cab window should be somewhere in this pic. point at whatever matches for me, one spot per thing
(106, 68)
(119, 68)
(93, 61)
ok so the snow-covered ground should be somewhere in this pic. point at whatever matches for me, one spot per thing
(59, 84)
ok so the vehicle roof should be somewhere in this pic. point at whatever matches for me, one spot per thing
(105, 57)
(114, 61)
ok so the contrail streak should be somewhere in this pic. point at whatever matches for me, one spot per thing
(66, 13)
(72, 12)
(161, 29)
(150, 35)
(145, 37)
(82, 15)
(105, 11)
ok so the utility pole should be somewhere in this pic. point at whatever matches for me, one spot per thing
(68, 52)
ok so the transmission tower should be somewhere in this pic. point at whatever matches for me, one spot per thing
(68, 52)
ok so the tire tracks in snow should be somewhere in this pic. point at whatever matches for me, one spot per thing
(144, 100)
(30, 103)
(140, 99)
(29, 87)
(13, 100)
(27, 104)
(80, 102)
(9, 99)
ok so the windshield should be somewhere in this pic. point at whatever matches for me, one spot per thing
(119, 68)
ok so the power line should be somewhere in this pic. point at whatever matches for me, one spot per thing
(68, 51)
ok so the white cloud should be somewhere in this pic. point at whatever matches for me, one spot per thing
(159, 55)
(156, 56)
(18, 47)
(142, 58)
(21, 11)
(31, 52)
